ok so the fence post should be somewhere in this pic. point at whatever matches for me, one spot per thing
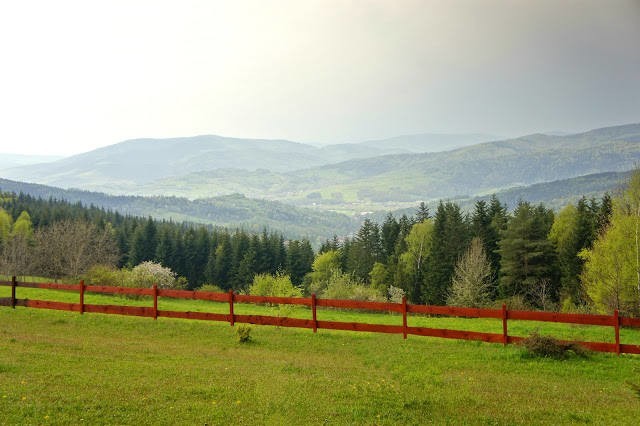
(313, 311)
(155, 301)
(404, 317)
(505, 335)
(81, 297)
(14, 283)
(616, 324)
(231, 317)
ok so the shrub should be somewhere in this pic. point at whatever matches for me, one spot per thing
(144, 275)
(270, 285)
(514, 303)
(107, 276)
(548, 347)
(279, 285)
(211, 288)
(395, 294)
(148, 273)
(344, 286)
(569, 307)
(243, 333)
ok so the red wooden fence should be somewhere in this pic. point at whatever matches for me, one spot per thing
(615, 320)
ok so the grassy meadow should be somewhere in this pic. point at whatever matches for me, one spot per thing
(65, 368)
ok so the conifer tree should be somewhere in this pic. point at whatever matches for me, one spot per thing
(450, 239)
(527, 255)
(365, 250)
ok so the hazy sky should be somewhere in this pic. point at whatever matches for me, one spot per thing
(76, 75)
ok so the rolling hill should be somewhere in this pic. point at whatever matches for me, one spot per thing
(233, 211)
(210, 166)
(379, 182)
(122, 167)
(554, 195)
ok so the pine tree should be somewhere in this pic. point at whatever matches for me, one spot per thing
(365, 250)
(603, 217)
(223, 262)
(499, 220)
(246, 269)
(165, 250)
(528, 256)
(422, 213)
(300, 259)
(389, 236)
(450, 239)
(481, 222)
(143, 246)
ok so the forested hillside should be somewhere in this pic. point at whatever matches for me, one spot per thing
(30, 243)
(530, 257)
(230, 211)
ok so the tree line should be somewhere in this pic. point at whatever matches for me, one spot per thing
(582, 257)
(56, 239)
(531, 257)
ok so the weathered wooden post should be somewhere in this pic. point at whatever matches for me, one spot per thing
(14, 283)
(404, 317)
(155, 301)
(231, 316)
(505, 335)
(313, 311)
(616, 324)
(81, 297)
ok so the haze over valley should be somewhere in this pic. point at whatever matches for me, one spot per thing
(256, 183)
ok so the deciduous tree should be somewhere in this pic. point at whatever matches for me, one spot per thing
(471, 284)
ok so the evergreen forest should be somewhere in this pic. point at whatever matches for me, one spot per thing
(530, 257)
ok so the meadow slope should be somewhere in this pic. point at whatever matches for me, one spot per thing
(62, 368)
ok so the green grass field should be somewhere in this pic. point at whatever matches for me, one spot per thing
(66, 368)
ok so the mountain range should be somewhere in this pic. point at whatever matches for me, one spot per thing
(289, 184)
(124, 166)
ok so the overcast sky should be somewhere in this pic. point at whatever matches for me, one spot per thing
(78, 75)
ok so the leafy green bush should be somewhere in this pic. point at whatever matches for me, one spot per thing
(274, 285)
(279, 285)
(107, 276)
(145, 275)
(569, 307)
(210, 288)
(243, 333)
(344, 286)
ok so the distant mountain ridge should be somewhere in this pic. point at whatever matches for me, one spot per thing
(207, 166)
(408, 144)
(465, 172)
(140, 161)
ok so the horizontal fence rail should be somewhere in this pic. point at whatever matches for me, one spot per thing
(403, 308)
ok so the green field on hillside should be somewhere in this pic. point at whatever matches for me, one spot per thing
(66, 368)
